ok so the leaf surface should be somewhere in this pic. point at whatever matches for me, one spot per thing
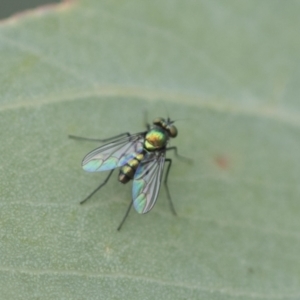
(229, 73)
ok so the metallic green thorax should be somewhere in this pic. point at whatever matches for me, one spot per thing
(155, 139)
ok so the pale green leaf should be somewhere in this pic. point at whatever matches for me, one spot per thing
(229, 72)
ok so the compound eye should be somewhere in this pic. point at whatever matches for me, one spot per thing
(172, 131)
(158, 121)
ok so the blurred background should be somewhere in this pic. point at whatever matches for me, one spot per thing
(10, 7)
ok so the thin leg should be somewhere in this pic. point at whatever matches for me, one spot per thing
(98, 188)
(169, 160)
(99, 140)
(125, 217)
(186, 159)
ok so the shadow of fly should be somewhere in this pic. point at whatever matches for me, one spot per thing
(141, 157)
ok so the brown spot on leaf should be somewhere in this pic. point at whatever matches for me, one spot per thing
(222, 161)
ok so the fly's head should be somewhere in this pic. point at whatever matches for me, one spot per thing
(166, 125)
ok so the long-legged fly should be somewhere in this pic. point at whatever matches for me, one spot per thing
(141, 157)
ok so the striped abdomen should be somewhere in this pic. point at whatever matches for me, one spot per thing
(128, 170)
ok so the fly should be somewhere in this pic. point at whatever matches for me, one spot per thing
(141, 157)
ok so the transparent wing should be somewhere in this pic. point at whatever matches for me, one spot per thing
(147, 180)
(113, 155)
